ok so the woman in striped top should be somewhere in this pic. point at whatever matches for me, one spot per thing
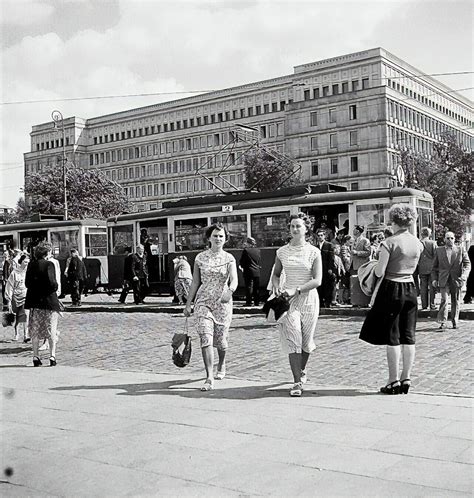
(302, 265)
(15, 294)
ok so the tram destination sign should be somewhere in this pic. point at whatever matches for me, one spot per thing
(227, 208)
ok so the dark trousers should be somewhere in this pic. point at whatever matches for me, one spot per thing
(140, 290)
(252, 288)
(326, 290)
(125, 290)
(76, 290)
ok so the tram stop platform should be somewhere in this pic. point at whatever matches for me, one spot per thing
(105, 303)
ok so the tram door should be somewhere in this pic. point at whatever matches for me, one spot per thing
(29, 240)
(331, 218)
(154, 236)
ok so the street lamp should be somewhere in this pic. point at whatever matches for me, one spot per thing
(58, 119)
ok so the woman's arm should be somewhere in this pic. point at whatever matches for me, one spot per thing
(317, 273)
(384, 256)
(233, 283)
(195, 284)
(277, 269)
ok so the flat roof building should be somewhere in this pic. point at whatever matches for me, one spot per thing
(344, 120)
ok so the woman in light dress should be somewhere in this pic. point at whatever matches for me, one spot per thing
(302, 265)
(183, 278)
(214, 282)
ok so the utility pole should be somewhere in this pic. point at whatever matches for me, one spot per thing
(58, 118)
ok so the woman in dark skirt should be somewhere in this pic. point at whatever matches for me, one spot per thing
(392, 319)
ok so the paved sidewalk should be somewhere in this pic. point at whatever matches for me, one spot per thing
(70, 431)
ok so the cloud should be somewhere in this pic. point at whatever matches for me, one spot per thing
(24, 12)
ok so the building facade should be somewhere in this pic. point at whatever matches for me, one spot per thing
(344, 120)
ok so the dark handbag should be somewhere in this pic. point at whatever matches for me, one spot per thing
(8, 319)
(181, 358)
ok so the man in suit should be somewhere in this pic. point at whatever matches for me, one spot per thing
(450, 270)
(425, 266)
(250, 265)
(328, 283)
(139, 275)
(127, 275)
(360, 249)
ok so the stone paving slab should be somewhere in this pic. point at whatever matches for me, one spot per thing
(79, 431)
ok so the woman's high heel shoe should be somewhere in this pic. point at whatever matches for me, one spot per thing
(405, 386)
(52, 361)
(393, 388)
(36, 361)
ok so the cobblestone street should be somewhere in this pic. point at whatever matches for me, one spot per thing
(141, 342)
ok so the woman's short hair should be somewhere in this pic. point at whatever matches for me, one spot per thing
(41, 251)
(347, 238)
(184, 258)
(402, 214)
(301, 216)
(216, 226)
(425, 232)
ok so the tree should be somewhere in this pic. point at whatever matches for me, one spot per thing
(265, 172)
(90, 194)
(447, 176)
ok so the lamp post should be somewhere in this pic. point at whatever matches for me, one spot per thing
(58, 118)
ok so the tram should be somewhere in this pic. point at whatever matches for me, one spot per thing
(89, 236)
(177, 228)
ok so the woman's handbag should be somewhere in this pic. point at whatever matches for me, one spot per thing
(181, 358)
(8, 319)
(276, 307)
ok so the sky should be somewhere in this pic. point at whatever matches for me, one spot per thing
(68, 49)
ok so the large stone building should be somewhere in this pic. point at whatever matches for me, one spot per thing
(344, 120)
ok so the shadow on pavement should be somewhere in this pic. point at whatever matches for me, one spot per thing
(15, 350)
(179, 388)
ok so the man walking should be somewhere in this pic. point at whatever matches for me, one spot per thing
(360, 249)
(250, 266)
(450, 270)
(76, 275)
(328, 283)
(127, 275)
(425, 266)
(139, 275)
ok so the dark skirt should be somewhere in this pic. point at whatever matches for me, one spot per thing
(392, 318)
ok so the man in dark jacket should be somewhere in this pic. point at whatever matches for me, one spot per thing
(76, 275)
(250, 266)
(127, 275)
(328, 284)
(139, 275)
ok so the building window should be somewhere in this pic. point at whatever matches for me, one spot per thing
(313, 119)
(333, 140)
(335, 89)
(332, 115)
(325, 91)
(353, 137)
(355, 85)
(316, 93)
(162, 189)
(355, 186)
(314, 143)
(353, 111)
(333, 166)
(314, 168)
(354, 164)
(365, 83)
(345, 87)
(150, 190)
(307, 94)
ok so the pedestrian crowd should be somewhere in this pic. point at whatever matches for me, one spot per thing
(315, 268)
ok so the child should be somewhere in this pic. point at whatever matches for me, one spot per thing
(340, 271)
(15, 294)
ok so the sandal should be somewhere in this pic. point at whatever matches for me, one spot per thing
(36, 361)
(52, 361)
(303, 377)
(208, 385)
(297, 390)
(220, 374)
(393, 388)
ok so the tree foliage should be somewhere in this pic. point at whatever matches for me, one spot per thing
(265, 172)
(447, 176)
(90, 194)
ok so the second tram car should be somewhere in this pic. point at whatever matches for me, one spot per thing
(178, 227)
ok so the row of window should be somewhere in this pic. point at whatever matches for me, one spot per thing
(336, 89)
(427, 101)
(225, 182)
(52, 144)
(332, 114)
(315, 141)
(400, 113)
(271, 130)
(220, 117)
(334, 166)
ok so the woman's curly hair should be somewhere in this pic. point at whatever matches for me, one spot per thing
(301, 216)
(402, 214)
(216, 226)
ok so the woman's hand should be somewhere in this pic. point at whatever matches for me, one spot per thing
(226, 296)
(187, 310)
(290, 292)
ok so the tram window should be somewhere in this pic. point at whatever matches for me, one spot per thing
(237, 228)
(372, 216)
(96, 244)
(270, 229)
(425, 218)
(122, 237)
(63, 241)
(189, 234)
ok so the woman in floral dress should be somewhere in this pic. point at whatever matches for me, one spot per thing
(214, 282)
(302, 265)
